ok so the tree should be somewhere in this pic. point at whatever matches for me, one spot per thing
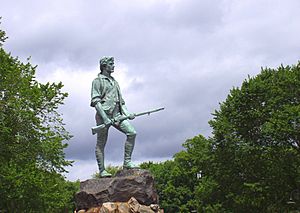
(256, 139)
(31, 140)
(176, 179)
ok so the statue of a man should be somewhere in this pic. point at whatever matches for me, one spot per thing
(109, 105)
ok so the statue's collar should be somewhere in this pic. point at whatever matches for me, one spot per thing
(103, 76)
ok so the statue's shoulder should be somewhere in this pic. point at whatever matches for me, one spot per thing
(99, 78)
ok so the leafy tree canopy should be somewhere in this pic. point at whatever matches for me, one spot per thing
(256, 139)
(31, 140)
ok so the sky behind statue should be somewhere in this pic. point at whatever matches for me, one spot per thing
(184, 55)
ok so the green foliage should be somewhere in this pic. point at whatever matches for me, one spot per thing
(31, 141)
(256, 135)
(177, 181)
(251, 163)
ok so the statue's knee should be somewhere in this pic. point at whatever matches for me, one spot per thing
(131, 134)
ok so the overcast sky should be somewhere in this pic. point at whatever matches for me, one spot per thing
(184, 55)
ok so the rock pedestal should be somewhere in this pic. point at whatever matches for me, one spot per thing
(126, 184)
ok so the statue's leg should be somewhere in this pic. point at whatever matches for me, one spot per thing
(101, 142)
(130, 132)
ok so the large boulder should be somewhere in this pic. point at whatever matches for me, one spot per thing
(127, 183)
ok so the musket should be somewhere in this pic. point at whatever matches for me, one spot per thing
(123, 118)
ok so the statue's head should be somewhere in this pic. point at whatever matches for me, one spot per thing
(106, 60)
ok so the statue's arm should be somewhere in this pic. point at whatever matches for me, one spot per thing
(96, 95)
(102, 113)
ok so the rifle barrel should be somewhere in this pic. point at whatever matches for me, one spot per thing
(149, 112)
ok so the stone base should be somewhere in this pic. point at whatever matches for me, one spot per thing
(126, 184)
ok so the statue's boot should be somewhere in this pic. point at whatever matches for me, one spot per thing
(129, 145)
(105, 173)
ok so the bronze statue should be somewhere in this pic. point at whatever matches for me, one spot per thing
(109, 104)
(111, 111)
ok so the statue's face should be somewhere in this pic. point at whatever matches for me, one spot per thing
(110, 66)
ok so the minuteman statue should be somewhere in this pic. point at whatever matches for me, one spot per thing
(109, 104)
